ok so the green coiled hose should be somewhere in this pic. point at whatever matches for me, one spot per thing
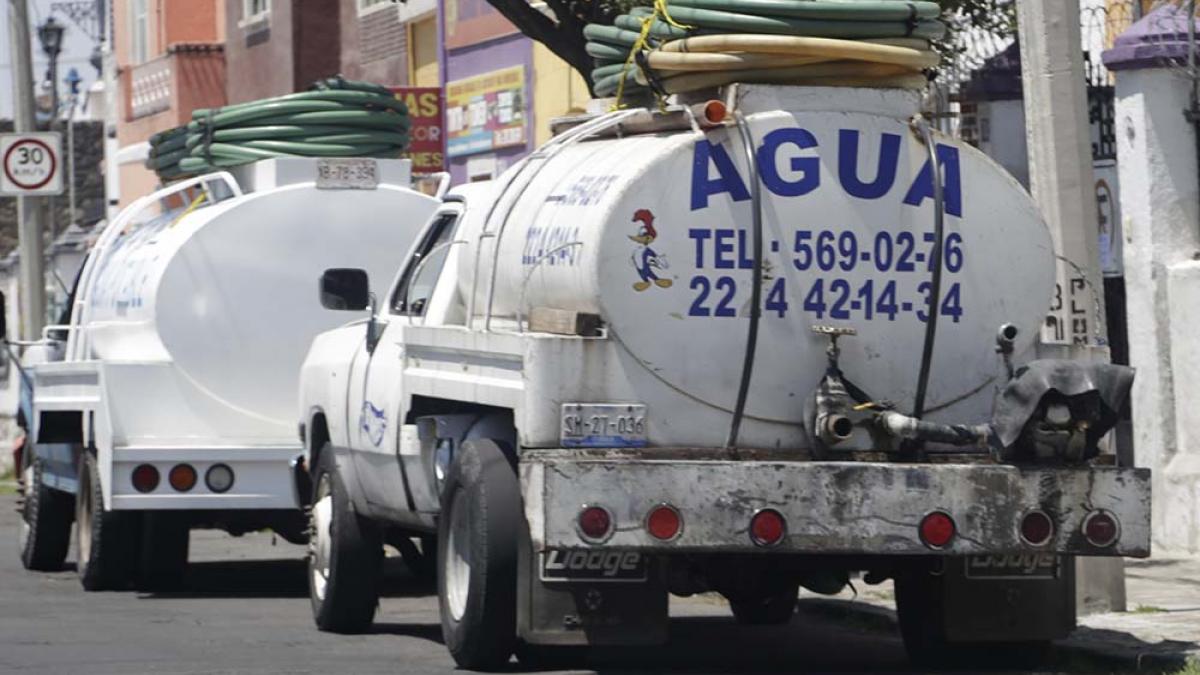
(888, 26)
(335, 118)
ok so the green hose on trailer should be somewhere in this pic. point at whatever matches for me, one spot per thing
(335, 118)
(681, 45)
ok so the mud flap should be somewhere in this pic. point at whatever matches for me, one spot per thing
(590, 597)
(1008, 598)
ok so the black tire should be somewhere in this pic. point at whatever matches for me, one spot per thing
(46, 516)
(106, 541)
(770, 610)
(345, 555)
(163, 554)
(921, 614)
(480, 524)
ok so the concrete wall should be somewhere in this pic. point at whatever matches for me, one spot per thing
(1160, 205)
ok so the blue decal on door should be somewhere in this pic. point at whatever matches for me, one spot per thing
(373, 422)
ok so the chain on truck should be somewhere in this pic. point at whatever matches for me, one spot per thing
(745, 347)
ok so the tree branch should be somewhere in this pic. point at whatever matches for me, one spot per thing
(564, 37)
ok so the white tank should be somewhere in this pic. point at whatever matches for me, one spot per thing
(653, 233)
(228, 293)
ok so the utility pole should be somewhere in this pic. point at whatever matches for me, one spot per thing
(30, 211)
(1060, 169)
(1062, 182)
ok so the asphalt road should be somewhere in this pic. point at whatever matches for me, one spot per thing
(246, 610)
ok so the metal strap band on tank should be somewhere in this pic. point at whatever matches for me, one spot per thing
(739, 408)
(546, 152)
(529, 275)
(912, 21)
(935, 262)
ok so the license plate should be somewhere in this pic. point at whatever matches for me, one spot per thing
(1016, 566)
(592, 566)
(603, 425)
(347, 174)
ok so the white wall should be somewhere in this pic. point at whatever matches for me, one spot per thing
(1160, 206)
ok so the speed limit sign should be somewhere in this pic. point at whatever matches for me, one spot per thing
(32, 164)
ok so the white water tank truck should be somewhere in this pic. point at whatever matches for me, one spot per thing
(174, 384)
(684, 351)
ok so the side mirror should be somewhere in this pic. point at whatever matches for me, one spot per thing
(345, 288)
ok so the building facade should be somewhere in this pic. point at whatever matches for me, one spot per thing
(276, 48)
(170, 58)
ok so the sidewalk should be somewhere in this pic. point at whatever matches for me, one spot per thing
(1159, 633)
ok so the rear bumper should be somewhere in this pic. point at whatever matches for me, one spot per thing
(263, 478)
(858, 508)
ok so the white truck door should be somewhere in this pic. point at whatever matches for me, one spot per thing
(380, 406)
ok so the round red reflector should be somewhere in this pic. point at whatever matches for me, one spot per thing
(595, 523)
(664, 522)
(145, 478)
(937, 529)
(182, 477)
(715, 112)
(1101, 529)
(767, 528)
(1037, 528)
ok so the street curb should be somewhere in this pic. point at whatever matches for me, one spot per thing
(1075, 651)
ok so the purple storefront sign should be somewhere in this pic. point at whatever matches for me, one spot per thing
(488, 57)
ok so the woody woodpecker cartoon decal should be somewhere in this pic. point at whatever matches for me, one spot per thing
(646, 261)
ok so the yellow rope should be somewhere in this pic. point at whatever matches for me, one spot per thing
(660, 10)
(191, 207)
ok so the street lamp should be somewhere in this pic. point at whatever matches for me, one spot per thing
(50, 34)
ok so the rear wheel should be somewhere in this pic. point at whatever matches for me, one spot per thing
(106, 541)
(46, 514)
(478, 532)
(772, 609)
(921, 610)
(162, 560)
(345, 555)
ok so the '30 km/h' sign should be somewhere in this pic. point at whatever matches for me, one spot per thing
(31, 164)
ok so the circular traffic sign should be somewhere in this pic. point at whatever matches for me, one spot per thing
(30, 164)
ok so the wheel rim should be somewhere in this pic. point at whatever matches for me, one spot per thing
(26, 530)
(320, 541)
(457, 563)
(83, 518)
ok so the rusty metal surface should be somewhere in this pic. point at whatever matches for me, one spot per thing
(833, 507)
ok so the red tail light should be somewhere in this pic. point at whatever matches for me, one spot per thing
(1101, 529)
(664, 522)
(767, 528)
(595, 523)
(145, 478)
(182, 477)
(937, 529)
(1037, 528)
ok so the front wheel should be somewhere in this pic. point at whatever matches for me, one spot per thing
(478, 532)
(45, 533)
(106, 541)
(345, 555)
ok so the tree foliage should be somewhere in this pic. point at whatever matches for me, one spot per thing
(558, 24)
